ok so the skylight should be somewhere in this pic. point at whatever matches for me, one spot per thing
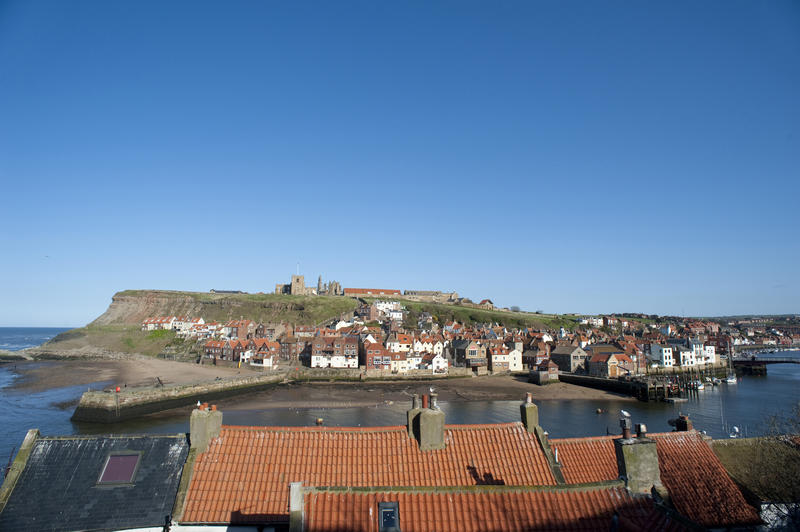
(389, 517)
(120, 468)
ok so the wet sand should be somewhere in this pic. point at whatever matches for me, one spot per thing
(355, 394)
(45, 375)
(38, 376)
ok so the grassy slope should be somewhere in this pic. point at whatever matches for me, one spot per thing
(469, 315)
(265, 308)
(120, 339)
(123, 334)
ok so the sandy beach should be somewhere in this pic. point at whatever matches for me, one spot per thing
(132, 372)
(43, 375)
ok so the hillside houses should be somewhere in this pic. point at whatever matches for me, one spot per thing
(608, 346)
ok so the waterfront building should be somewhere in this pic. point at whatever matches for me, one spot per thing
(662, 355)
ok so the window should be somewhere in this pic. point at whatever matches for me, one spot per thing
(120, 468)
(388, 517)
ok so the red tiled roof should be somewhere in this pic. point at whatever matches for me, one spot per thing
(698, 484)
(373, 291)
(247, 470)
(496, 511)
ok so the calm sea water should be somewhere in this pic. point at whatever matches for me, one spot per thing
(16, 338)
(748, 405)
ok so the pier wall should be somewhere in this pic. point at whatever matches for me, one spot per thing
(113, 407)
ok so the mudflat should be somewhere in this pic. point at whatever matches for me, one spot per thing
(144, 372)
(130, 372)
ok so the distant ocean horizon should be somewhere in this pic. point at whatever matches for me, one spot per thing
(16, 338)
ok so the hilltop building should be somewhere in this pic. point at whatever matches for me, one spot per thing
(298, 287)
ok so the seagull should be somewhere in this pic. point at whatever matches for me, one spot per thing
(625, 413)
(198, 403)
(431, 389)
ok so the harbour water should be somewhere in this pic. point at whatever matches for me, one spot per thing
(749, 405)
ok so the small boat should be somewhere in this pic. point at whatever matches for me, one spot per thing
(716, 381)
(731, 379)
(699, 385)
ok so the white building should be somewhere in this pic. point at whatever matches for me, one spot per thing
(662, 355)
(515, 360)
(710, 354)
(395, 315)
(436, 363)
(399, 343)
(384, 307)
(266, 362)
(414, 360)
(686, 357)
(594, 321)
(334, 361)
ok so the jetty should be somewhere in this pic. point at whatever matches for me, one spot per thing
(757, 365)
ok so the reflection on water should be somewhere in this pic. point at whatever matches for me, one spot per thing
(748, 405)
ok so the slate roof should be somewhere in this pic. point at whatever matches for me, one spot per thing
(698, 484)
(58, 488)
(465, 511)
(245, 473)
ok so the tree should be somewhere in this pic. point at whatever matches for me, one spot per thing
(514, 308)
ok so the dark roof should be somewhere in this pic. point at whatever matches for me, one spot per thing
(58, 488)
(565, 350)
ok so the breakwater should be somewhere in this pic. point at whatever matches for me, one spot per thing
(112, 407)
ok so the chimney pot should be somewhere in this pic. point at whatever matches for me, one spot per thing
(425, 401)
(625, 423)
(213, 408)
(434, 401)
(641, 430)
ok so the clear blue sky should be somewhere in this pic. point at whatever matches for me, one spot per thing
(563, 156)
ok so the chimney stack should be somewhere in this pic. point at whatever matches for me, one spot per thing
(529, 413)
(411, 415)
(683, 423)
(204, 425)
(429, 425)
(637, 459)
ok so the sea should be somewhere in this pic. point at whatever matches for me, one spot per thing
(16, 338)
(754, 406)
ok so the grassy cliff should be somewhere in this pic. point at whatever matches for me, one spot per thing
(117, 330)
(469, 315)
(130, 307)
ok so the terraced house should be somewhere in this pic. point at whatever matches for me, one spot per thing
(421, 476)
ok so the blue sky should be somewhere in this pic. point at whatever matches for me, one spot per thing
(563, 156)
